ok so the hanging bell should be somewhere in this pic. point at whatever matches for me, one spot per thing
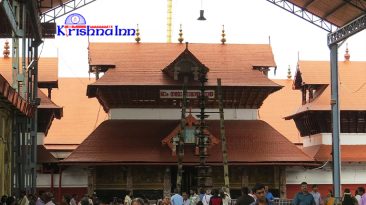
(201, 18)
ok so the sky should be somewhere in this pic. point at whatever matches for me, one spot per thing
(246, 22)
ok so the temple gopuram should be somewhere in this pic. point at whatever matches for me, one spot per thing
(141, 90)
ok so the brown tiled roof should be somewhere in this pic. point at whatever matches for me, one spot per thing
(47, 111)
(44, 156)
(9, 95)
(279, 105)
(352, 85)
(79, 113)
(349, 153)
(47, 103)
(47, 69)
(142, 64)
(139, 141)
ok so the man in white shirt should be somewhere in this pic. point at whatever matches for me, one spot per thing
(206, 198)
(128, 199)
(316, 195)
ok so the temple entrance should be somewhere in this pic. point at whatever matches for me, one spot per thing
(189, 180)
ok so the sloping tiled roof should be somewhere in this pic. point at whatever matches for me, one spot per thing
(47, 69)
(349, 153)
(352, 85)
(80, 114)
(10, 96)
(279, 105)
(142, 64)
(139, 141)
(47, 103)
(44, 156)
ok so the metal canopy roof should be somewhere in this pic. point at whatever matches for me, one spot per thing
(337, 12)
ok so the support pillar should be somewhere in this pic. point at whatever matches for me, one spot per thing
(129, 180)
(244, 177)
(91, 180)
(52, 183)
(276, 177)
(167, 182)
(60, 186)
(336, 149)
(282, 173)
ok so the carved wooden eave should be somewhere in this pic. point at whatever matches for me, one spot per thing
(190, 122)
(185, 63)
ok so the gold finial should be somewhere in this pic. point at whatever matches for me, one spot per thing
(223, 39)
(347, 56)
(137, 38)
(180, 39)
(289, 76)
(6, 51)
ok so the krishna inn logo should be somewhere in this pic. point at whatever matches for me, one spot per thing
(75, 25)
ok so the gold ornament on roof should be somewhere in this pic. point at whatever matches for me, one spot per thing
(180, 39)
(6, 51)
(223, 39)
(137, 38)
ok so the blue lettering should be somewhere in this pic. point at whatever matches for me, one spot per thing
(129, 32)
(101, 33)
(122, 30)
(108, 32)
(59, 30)
(88, 31)
(82, 32)
(116, 30)
(70, 31)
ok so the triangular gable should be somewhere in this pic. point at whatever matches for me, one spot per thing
(187, 64)
(190, 122)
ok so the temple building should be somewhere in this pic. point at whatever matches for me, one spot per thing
(313, 120)
(141, 90)
(13, 120)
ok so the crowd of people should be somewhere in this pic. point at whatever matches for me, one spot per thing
(258, 195)
(304, 197)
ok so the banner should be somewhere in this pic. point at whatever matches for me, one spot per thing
(191, 94)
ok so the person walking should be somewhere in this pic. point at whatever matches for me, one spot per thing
(316, 194)
(244, 199)
(303, 197)
(260, 193)
(215, 199)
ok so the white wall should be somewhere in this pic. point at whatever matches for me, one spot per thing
(175, 114)
(326, 139)
(350, 174)
(71, 177)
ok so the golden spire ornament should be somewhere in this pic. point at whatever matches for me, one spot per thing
(137, 38)
(6, 51)
(180, 39)
(223, 39)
